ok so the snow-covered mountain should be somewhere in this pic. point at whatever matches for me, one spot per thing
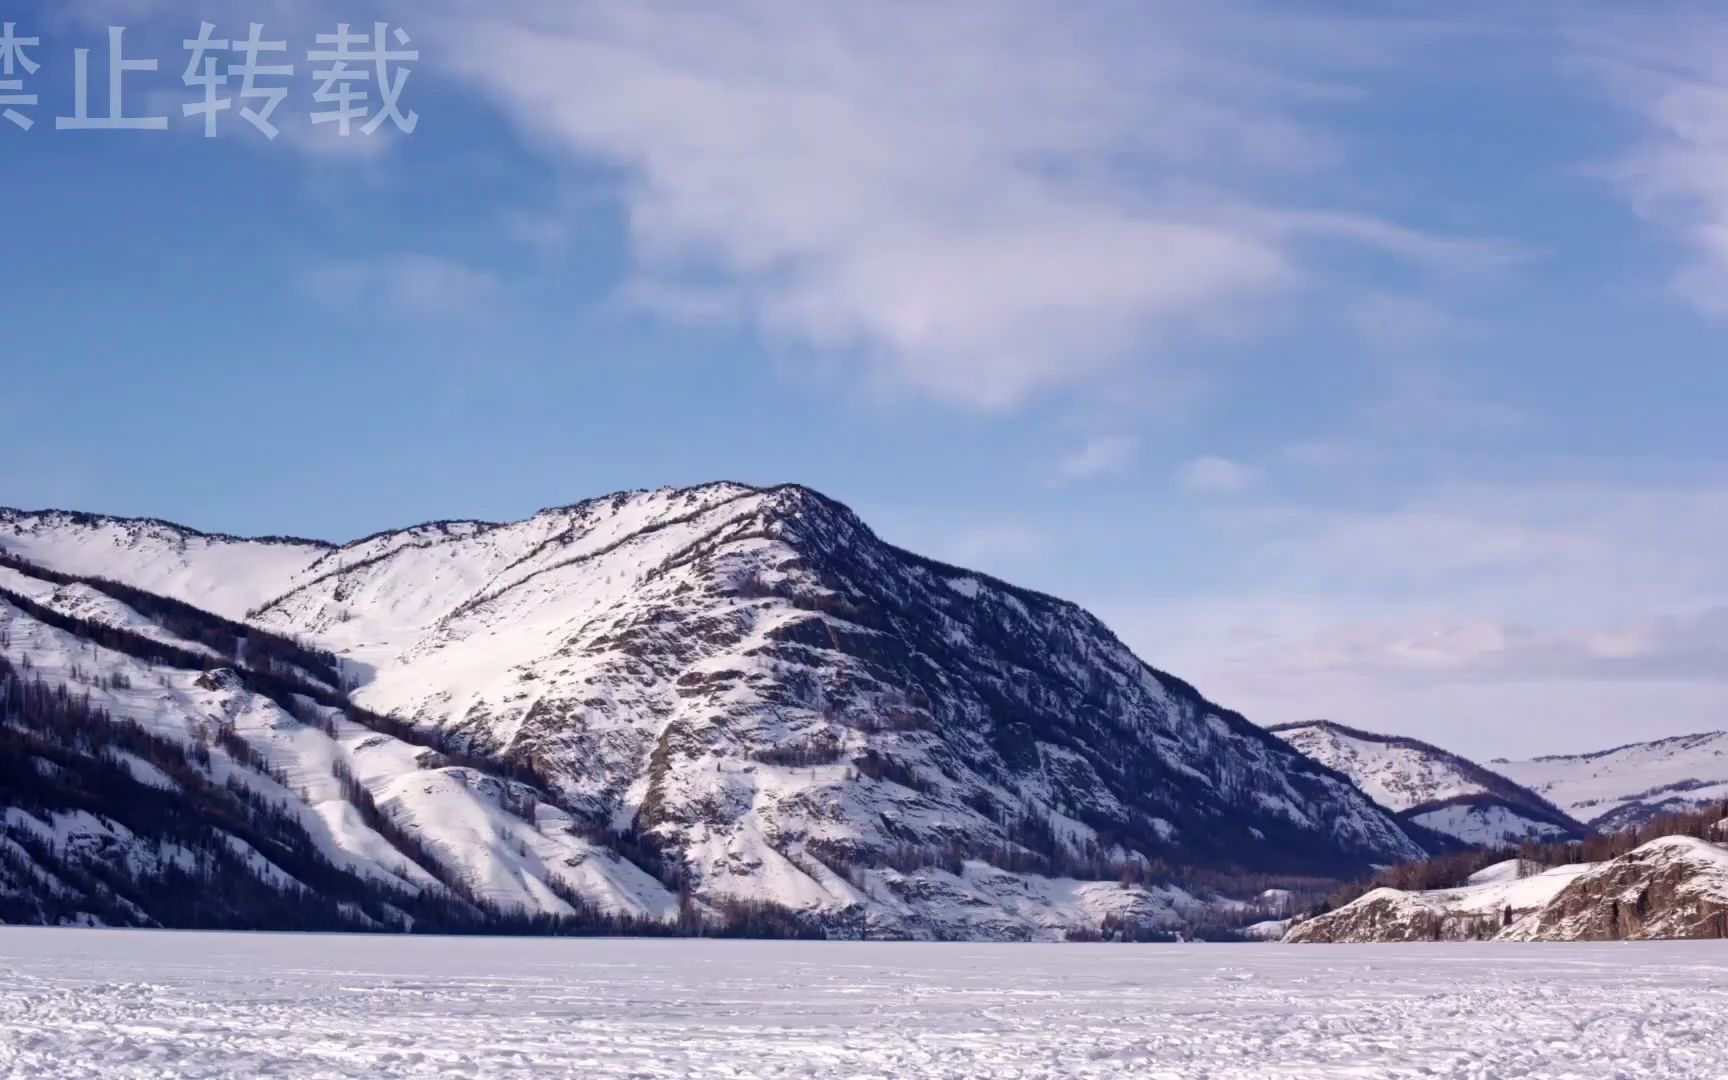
(1629, 786)
(671, 700)
(196, 757)
(1431, 787)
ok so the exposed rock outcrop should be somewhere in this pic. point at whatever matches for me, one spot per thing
(1675, 887)
(1387, 915)
(1672, 887)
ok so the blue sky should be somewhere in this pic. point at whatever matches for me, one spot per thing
(1356, 366)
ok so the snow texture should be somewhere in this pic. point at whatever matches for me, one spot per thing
(127, 1005)
(1671, 887)
(1626, 787)
(790, 709)
(1432, 787)
(503, 847)
(1492, 825)
(1475, 911)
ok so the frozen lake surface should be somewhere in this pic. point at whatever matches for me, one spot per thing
(142, 1004)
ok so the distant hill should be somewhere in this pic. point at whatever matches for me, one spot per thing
(1433, 788)
(1630, 785)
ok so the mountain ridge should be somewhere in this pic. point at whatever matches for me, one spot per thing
(1427, 785)
(783, 706)
(87, 517)
(1626, 786)
(1593, 755)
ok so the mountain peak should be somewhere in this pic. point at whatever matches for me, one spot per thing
(135, 527)
(749, 685)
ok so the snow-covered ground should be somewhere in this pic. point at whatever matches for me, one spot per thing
(134, 1004)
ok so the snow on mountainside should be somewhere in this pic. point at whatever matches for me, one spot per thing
(1670, 887)
(345, 794)
(223, 574)
(1431, 787)
(1628, 786)
(747, 692)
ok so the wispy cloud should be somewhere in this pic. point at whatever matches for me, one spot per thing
(1215, 475)
(980, 200)
(1671, 73)
(1573, 551)
(427, 286)
(1493, 618)
(1686, 646)
(1331, 454)
(1388, 320)
(1098, 455)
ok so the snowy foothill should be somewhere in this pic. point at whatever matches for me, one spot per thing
(123, 1004)
(1672, 887)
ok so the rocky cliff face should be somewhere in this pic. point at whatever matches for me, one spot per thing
(1671, 887)
(1385, 915)
(1675, 887)
(748, 693)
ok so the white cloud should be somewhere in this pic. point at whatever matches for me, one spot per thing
(1688, 646)
(1210, 474)
(1569, 550)
(978, 201)
(1509, 618)
(982, 200)
(412, 284)
(1672, 74)
(1388, 320)
(992, 544)
(1338, 454)
(1484, 688)
(1099, 455)
(324, 143)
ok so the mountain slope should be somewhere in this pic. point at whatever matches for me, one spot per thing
(747, 692)
(1629, 786)
(1431, 787)
(227, 752)
(219, 573)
